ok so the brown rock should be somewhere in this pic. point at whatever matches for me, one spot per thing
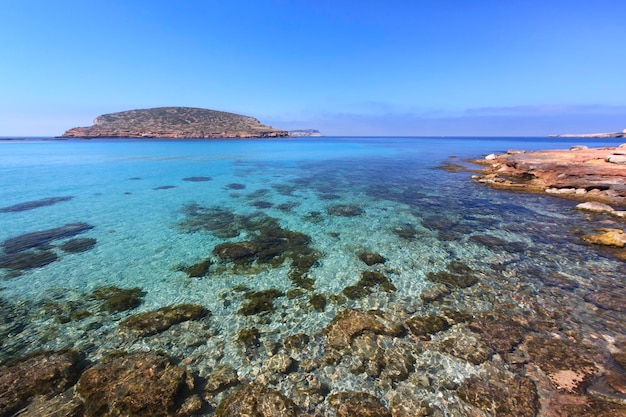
(357, 404)
(510, 396)
(607, 237)
(156, 321)
(591, 170)
(256, 400)
(139, 384)
(348, 324)
(41, 373)
(568, 365)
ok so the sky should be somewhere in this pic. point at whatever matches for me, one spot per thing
(355, 68)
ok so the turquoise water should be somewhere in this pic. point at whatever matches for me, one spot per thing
(137, 196)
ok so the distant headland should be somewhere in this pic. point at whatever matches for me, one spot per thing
(304, 132)
(621, 134)
(175, 122)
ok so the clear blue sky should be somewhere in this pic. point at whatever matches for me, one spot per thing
(412, 67)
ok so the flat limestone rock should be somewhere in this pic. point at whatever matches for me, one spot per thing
(591, 174)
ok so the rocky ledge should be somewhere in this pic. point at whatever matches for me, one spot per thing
(175, 122)
(580, 173)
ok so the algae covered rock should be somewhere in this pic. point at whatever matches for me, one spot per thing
(348, 324)
(260, 301)
(199, 269)
(371, 258)
(503, 396)
(357, 404)
(156, 321)
(140, 384)
(42, 373)
(424, 326)
(457, 275)
(118, 299)
(222, 378)
(344, 210)
(256, 400)
(78, 245)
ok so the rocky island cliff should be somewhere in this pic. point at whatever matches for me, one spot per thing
(175, 122)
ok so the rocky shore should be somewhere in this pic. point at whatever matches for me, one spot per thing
(596, 177)
(581, 173)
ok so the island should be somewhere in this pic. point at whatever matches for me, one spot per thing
(175, 122)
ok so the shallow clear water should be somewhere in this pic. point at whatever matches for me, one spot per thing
(135, 195)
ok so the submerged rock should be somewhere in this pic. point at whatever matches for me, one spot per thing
(42, 373)
(499, 331)
(222, 378)
(199, 269)
(371, 258)
(348, 324)
(608, 300)
(197, 179)
(369, 280)
(606, 237)
(567, 364)
(156, 321)
(118, 299)
(296, 341)
(357, 404)
(78, 245)
(256, 400)
(139, 384)
(249, 337)
(43, 238)
(27, 260)
(318, 302)
(30, 205)
(260, 302)
(457, 275)
(344, 210)
(424, 326)
(503, 396)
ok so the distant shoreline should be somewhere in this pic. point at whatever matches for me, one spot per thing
(592, 135)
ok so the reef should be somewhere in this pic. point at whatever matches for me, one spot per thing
(156, 321)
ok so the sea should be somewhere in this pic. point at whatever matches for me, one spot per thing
(273, 235)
